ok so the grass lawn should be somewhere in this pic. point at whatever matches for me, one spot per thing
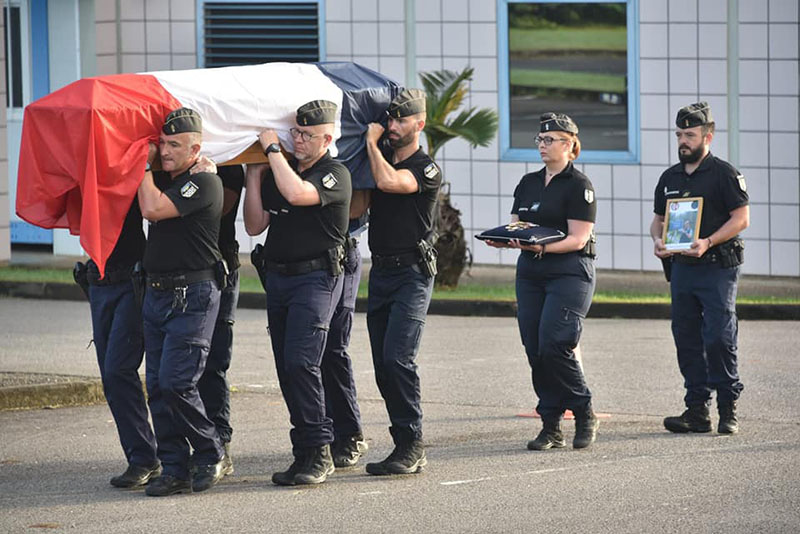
(560, 79)
(468, 291)
(597, 38)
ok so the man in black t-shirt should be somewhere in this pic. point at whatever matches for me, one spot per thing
(118, 340)
(703, 279)
(213, 385)
(181, 305)
(305, 204)
(401, 282)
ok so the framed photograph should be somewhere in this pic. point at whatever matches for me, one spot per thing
(682, 222)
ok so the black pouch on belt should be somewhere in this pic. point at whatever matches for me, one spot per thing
(80, 273)
(427, 258)
(258, 262)
(221, 274)
(139, 281)
(335, 257)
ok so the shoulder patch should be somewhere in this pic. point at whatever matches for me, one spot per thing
(742, 183)
(588, 196)
(189, 189)
(329, 181)
(431, 170)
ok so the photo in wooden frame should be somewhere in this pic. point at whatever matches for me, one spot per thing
(682, 222)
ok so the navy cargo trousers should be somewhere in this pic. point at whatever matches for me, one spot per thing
(176, 343)
(705, 329)
(299, 311)
(553, 297)
(118, 339)
(397, 306)
(337, 368)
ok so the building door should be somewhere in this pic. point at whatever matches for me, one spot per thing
(27, 79)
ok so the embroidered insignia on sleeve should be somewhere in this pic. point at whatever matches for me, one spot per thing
(588, 196)
(742, 184)
(431, 170)
(329, 181)
(189, 189)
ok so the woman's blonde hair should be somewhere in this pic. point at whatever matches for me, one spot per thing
(576, 146)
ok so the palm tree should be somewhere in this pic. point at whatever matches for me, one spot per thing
(446, 91)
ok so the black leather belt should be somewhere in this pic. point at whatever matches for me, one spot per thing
(166, 282)
(297, 267)
(110, 278)
(709, 257)
(399, 260)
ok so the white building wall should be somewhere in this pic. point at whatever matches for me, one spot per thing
(5, 230)
(683, 58)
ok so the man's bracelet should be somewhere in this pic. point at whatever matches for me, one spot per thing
(710, 243)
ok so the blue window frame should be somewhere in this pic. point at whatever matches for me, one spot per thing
(579, 57)
(244, 32)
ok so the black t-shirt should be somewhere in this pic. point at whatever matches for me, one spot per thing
(130, 244)
(398, 221)
(569, 195)
(299, 233)
(188, 242)
(233, 180)
(722, 187)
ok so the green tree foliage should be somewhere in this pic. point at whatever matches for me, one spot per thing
(446, 91)
(565, 14)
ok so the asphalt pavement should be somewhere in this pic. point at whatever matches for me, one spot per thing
(55, 463)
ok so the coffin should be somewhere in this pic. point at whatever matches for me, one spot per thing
(84, 147)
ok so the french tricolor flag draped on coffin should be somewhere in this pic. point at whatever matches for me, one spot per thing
(84, 147)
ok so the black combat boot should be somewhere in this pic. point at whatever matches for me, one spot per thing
(407, 457)
(586, 424)
(136, 475)
(347, 451)
(286, 478)
(310, 466)
(550, 437)
(728, 424)
(206, 476)
(167, 485)
(694, 419)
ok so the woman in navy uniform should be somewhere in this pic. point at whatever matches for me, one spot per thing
(555, 282)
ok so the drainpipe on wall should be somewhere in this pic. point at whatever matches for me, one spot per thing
(411, 45)
(733, 82)
(119, 36)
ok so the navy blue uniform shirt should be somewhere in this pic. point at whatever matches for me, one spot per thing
(398, 221)
(722, 187)
(569, 195)
(299, 233)
(188, 242)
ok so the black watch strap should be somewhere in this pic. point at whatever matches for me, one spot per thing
(272, 147)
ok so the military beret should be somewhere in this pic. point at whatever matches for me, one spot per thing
(696, 114)
(408, 102)
(316, 112)
(557, 122)
(182, 120)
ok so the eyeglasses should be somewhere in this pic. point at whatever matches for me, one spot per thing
(305, 136)
(538, 140)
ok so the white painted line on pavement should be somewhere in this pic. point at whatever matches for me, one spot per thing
(468, 481)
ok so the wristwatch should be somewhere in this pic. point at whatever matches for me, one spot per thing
(148, 168)
(272, 147)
